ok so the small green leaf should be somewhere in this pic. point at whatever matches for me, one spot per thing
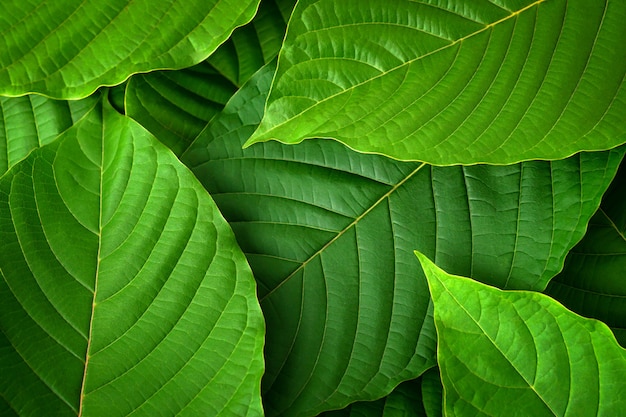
(518, 353)
(68, 49)
(453, 82)
(122, 289)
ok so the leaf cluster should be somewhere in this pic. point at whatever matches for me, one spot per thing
(312, 208)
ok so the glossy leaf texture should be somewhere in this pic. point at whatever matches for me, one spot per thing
(404, 401)
(176, 105)
(518, 353)
(458, 82)
(329, 234)
(69, 49)
(31, 121)
(593, 280)
(123, 290)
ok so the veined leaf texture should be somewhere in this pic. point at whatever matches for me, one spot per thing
(520, 353)
(329, 234)
(123, 289)
(68, 49)
(453, 82)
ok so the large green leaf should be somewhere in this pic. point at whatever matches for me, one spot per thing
(123, 290)
(176, 105)
(329, 234)
(593, 281)
(31, 121)
(68, 49)
(451, 82)
(517, 353)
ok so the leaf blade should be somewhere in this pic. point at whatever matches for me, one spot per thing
(549, 361)
(463, 83)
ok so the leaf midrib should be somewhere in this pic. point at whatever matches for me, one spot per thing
(344, 230)
(266, 133)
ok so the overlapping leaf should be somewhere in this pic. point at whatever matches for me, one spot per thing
(123, 290)
(176, 105)
(517, 353)
(330, 232)
(593, 281)
(404, 401)
(31, 121)
(453, 82)
(68, 49)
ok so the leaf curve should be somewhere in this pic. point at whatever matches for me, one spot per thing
(458, 82)
(120, 275)
(329, 234)
(32, 121)
(176, 105)
(592, 280)
(69, 49)
(519, 353)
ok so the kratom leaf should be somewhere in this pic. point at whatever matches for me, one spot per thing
(176, 105)
(122, 288)
(404, 401)
(68, 49)
(432, 393)
(32, 121)
(453, 82)
(593, 281)
(329, 234)
(518, 353)
(254, 45)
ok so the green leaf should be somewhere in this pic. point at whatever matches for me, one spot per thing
(123, 290)
(176, 105)
(592, 282)
(68, 49)
(329, 234)
(517, 353)
(31, 121)
(432, 393)
(404, 401)
(452, 82)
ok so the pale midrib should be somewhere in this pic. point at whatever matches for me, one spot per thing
(382, 74)
(95, 291)
(344, 230)
(613, 225)
(531, 386)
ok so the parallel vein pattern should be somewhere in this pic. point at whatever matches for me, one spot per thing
(29, 122)
(592, 282)
(329, 234)
(452, 82)
(519, 353)
(119, 275)
(68, 49)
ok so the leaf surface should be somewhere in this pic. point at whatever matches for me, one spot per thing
(176, 105)
(452, 82)
(593, 280)
(518, 353)
(31, 121)
(123, 291)
(329, 234)
(68, 49)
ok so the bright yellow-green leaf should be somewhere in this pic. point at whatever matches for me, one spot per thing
(519, 353)
(453, 82)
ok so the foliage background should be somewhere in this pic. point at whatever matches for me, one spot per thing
(346, 322)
